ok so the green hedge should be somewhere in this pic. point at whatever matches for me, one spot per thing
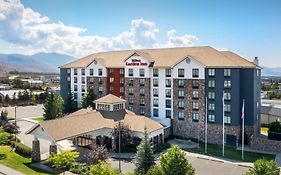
(23, 150)
(274, 127)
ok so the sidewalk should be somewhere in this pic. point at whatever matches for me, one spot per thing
(9, 171)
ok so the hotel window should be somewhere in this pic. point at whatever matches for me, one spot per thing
(195, 73)
(211, 95)
(181, 115)
(155, 82)
(227, 72)
(212, 83)
(111, 89)
(131, 108)
(121, 90)
(168, 103)
(168, 93)
(100, 72)
(91, 71)
(122, 80)
(227, 84)
(141, 101)
(121, 72)
(227, 119)
(211, 106)
(83, 88)
(68, 71)
(168, 72)
(141, 72)
(227, 96)
(91, 80)
(168, 114)
(195, 94)
(111, 71)
(168, 83)
(155, 92)
(131, 72)
(83, 80)
(155, 102)
(227, 108)
(131, 100)
(75, 79)
(180, 72)
(131, 82)
(75, 71)
(141, 82)
(141, 91)
(181, 83)
(75, 96)
(195, 116)
(131, 91)
(211, 118)
(195, 83)
(75, 87)
(181, 104)
(155, 112)
(211, 72)
(82, 71)
(155, 72)
(181, 93)
(100, 89)
(100, 80)
(111, 80)
(141, 111)
(68, 78)
(195, 105)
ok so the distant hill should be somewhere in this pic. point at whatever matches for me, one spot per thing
(267, 71)
(40, 62)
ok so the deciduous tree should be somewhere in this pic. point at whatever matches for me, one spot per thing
(264, 167)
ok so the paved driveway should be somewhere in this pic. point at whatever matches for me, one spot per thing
(26, 111)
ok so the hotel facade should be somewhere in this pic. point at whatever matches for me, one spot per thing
(178, 87)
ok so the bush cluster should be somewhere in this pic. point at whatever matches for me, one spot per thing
(23, 149)
(274, 127)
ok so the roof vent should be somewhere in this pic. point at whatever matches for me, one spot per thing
(256, 61)
(187, 60)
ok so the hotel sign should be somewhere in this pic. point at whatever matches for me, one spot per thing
(136, 62)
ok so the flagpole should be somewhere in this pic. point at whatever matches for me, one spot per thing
(243, 130)
(223, 124)
(206, 127)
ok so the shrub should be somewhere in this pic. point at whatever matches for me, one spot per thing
(3, 156)
(264, 167)
(64, 160)
(4, 138)
(79, 168)
(155, 170)
(23, 149)
(96, 154)
(103, 168)
(274, 127)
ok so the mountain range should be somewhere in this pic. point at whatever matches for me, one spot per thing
(49, 62)
(40, 62)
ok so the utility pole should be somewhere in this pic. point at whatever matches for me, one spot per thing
(119, 126)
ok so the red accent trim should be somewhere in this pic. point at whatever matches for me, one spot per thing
(116, 83)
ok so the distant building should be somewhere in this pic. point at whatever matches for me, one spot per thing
(270, 114)
(32, 82)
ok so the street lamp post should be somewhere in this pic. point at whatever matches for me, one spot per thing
(119, 156)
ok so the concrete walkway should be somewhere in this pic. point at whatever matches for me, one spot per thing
(9, 171)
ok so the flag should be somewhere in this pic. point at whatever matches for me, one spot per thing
(243, 108)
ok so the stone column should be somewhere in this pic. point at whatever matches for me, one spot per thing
(35, 155)
(53, 148)
(113, 144)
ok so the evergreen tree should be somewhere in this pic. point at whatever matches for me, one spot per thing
(144, 156)
(53, 106)
(174, 162)
(88, 99)
(70, 105)
(3, 117)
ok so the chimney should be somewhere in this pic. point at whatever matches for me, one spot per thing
(256, 61)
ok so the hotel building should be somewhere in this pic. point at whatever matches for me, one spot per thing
(177, 87)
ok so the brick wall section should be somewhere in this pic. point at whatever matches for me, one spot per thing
(264, 144)
(187, 127)
(95, 85)
(136, 95)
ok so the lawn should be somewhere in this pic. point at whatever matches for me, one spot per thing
(17, 162)
(230, 153)
(39, 119)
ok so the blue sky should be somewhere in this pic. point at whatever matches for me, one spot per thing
(249, 28)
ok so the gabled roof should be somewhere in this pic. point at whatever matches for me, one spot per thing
(166, 57)
(110, 99)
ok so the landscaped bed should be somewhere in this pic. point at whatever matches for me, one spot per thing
(16, 161)
(230, 153)
(39, 119)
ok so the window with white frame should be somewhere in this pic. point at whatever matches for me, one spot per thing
(131, 82)
(111, 89)
(111, 80)
(141, 91)
(75, 80)
(75, 71)
(168, 92)
(227, 72)
(121, 72)
(227, 119)
(121, 90)
(100, 80)
(131, 90)
(83, 88)
(227, 108)
(141, 72)
(100, 89)
(75, 87)
(100, 72)
(111, 71)
(195, 105)
(131, 99)
(181, 93)
(155, 82)
(168, 103)
(168, 72)
(211, 106)
(168, 114)
(181, 115)
(155, 72)
(211, 118)
(155, 112)
(211, 95)
(142, 101)
(130, 72)
(122, 80)
(168, 83)
(195, 83)
(141, 111)
(181, 104)
(212, 83)
(180, 72)
(211, 72)
(141, 82)
(155, 92)
(68, 71)
(82, 71)
(155, 102)
(83, 80)
(131, 108)
(181, 83)
(195, 94)
(195, 116)
(227, 84)
(195, 73)
(227, 96)
(91, 71)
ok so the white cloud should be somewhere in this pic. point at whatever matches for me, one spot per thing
(31, 32)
